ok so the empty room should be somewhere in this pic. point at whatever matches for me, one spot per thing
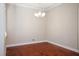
(39, 29)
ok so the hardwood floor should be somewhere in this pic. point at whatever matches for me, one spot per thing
(39, 49)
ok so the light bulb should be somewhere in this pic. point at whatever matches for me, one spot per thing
(39, 13)
(43, 14)
(36, 14)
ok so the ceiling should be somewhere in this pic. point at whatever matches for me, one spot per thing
(44, 6)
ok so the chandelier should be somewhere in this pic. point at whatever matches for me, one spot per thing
(40, 14)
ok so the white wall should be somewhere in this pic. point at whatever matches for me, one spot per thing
(2, 29)
(23, 26)
(59, 25)
(62, 25)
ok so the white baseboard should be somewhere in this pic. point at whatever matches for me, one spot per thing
(66, 47)
(12, 45)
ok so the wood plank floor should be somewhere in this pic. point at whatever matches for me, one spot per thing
(39, 49)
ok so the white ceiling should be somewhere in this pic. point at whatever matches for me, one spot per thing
(45, 6)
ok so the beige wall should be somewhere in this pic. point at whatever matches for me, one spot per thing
(62, 25)
(78, 26)
(23, 26)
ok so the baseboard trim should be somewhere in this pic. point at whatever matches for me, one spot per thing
(66, 47)
(12, 45)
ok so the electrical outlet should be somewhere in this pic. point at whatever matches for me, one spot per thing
(33, 39)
